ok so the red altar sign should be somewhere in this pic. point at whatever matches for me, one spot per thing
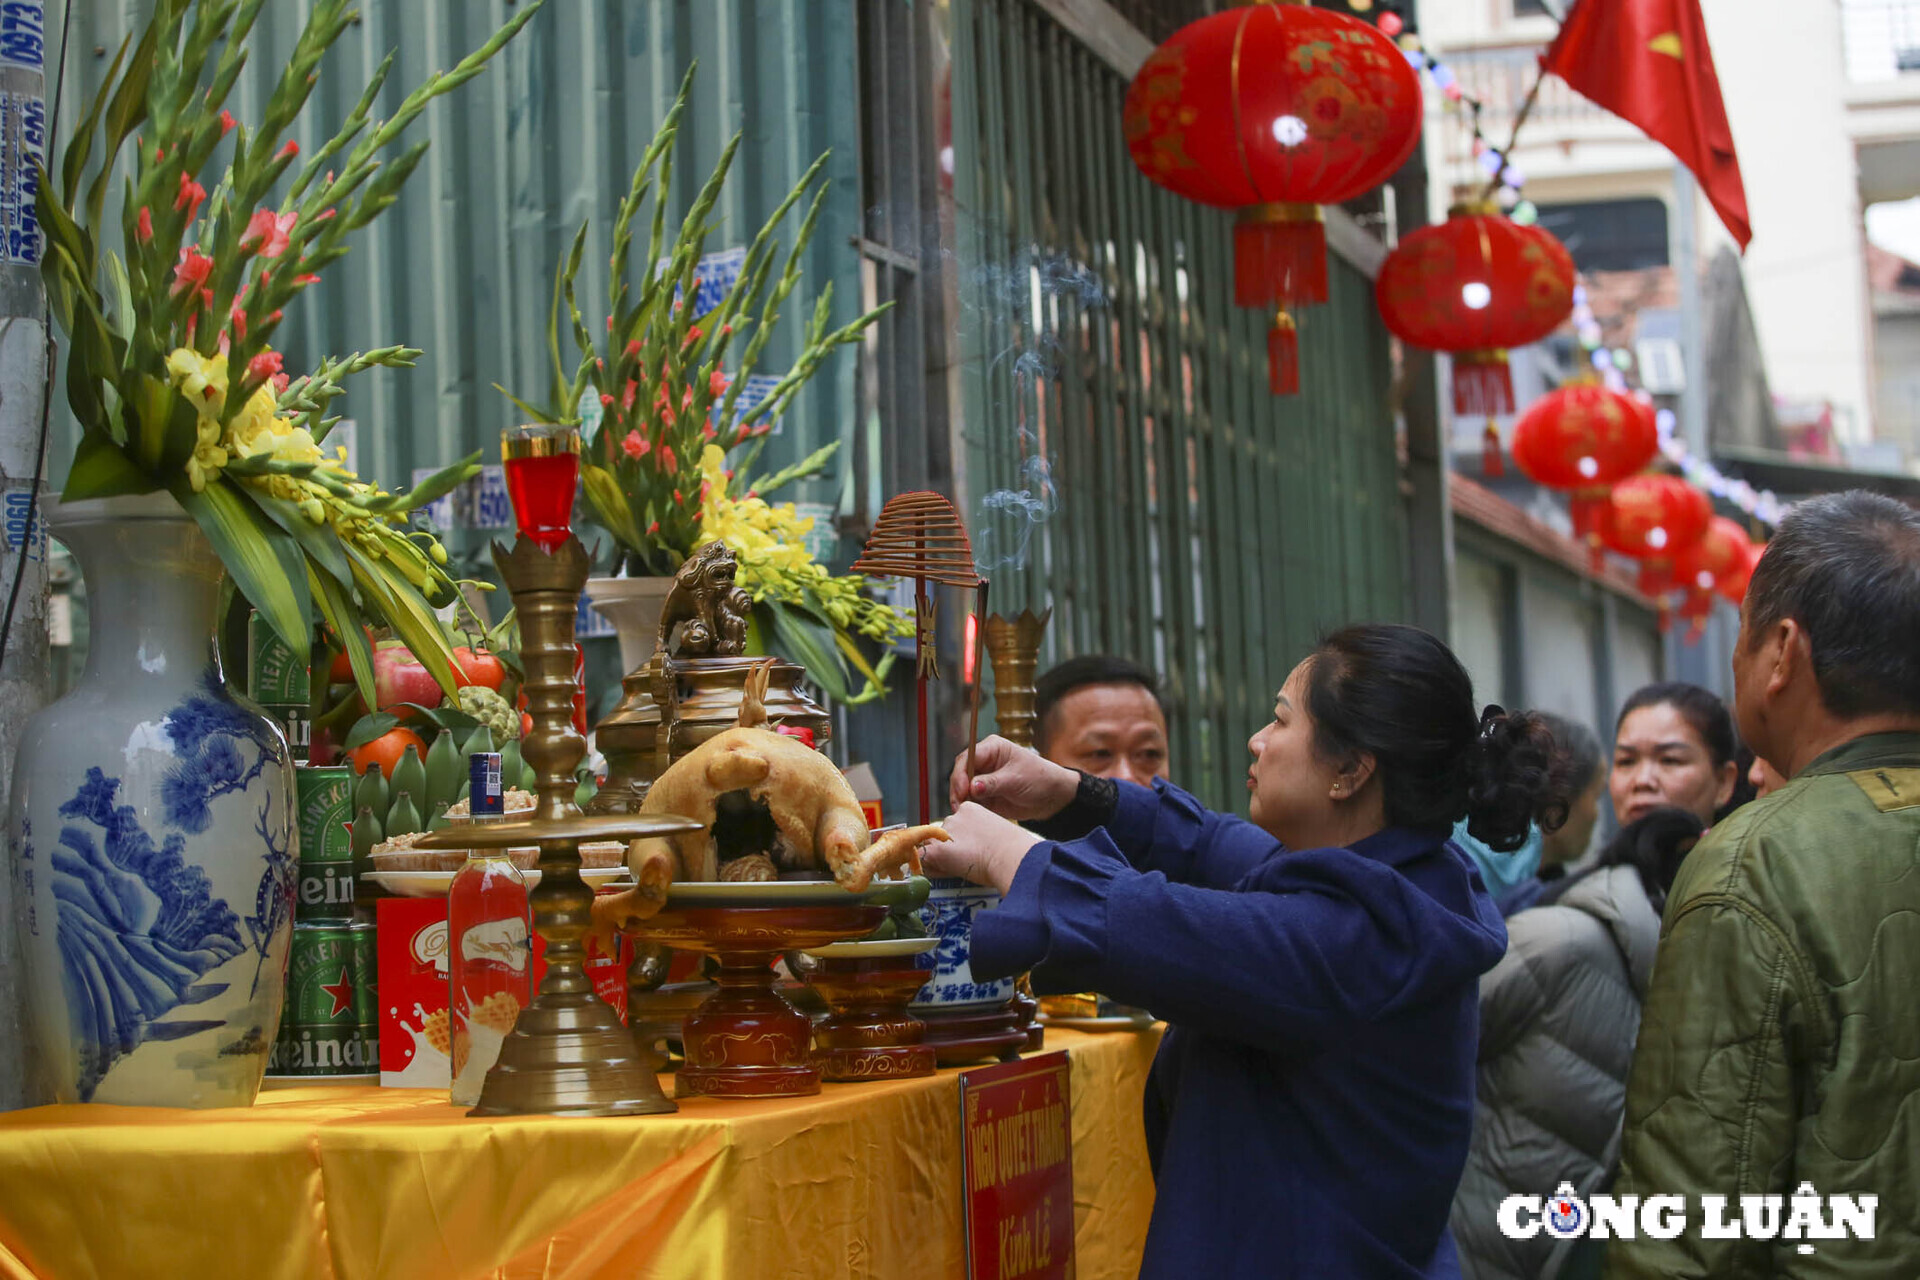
(1017, 1126)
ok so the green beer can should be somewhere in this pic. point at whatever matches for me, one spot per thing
(325, 799)
(276, 675)
(321, 1032)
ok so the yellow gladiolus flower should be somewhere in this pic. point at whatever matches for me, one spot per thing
(202, 379)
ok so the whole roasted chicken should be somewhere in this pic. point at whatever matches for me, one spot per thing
(766, 804)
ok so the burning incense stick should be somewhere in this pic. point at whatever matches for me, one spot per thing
(979, 672)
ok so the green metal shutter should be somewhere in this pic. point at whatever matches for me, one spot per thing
(1204, 526)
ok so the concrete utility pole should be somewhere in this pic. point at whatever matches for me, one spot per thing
(23, 384)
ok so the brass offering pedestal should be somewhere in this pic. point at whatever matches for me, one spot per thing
(1013, 646)
(568, 1053)
(870, 1035)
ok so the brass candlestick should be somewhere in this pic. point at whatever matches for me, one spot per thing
(1013, 644)
(568, 1054)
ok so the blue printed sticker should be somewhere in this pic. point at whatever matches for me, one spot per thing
(23, 34)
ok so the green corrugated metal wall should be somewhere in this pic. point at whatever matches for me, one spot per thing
(1203, 526)
(463, 265)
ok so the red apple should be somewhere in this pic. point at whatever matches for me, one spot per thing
(398, 678)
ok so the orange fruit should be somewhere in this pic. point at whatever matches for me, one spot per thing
(387, 750)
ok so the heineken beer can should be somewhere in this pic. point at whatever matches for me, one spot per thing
(321, 1029)
(276, 675)
(325, 797)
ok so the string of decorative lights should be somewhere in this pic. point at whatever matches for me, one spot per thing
(1758, 504)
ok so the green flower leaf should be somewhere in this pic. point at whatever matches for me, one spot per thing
(267, 565)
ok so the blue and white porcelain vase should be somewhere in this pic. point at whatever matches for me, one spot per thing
(948, 915)
(152, 837)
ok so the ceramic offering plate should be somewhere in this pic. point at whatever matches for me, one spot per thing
(781, 893)
(869, 1035)
(746, 1040)
(434, 884)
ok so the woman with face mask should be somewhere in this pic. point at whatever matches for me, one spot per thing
(1309, 1111)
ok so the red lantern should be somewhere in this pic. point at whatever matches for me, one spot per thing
(1583, 439)
(1699, 570)
(1733, 586)
(1475, 285)
(1274, 110)
(1653, 518)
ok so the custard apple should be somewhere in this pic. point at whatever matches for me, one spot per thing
(490, 709)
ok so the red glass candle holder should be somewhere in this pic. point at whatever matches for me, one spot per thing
(542, 462)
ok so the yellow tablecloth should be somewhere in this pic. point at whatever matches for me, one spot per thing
(862, 1181)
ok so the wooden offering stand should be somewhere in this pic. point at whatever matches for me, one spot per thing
(746, 1040)
(869, 1035)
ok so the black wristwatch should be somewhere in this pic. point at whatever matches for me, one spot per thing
(1093, 805)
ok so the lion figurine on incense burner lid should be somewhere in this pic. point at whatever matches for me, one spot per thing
(766, 803)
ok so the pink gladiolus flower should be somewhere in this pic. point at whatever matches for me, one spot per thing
(654, 527)
(636, 445)
(601, 365)
(191, 272)
(324, 215)
(144, 227)
(223, 342)
(706, 487)
(267, 232)
(726, 331)
(191, 194)
(626, 397)
(742, 434)
(633, 348)
(686, 398)
(708, 432)
(606, 400)
(716, 384)
(728, 473)
(609, 324)
(226, 123)
(265, 365)
(665, 458)
(308, 278)
(287, 152)
(279, 381)
(677, 499)
(273, 317)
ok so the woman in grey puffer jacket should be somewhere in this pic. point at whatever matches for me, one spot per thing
(1558, 1018)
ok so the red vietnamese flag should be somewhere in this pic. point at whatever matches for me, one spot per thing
(1647, 61)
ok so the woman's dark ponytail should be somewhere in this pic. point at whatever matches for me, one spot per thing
(1517, 775)
(1400, 695)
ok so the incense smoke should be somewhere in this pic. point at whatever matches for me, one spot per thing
(1026, 297)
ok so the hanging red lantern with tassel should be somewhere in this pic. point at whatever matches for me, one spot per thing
(1476, 285)
(1652, 518)
(1723, 551)
(1275, 109)
(1582, 439)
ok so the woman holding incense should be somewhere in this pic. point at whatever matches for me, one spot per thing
(1310, 1109)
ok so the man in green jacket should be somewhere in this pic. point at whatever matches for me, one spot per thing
(1780, 1046)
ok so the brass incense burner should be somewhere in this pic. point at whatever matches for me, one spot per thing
(568, 1053)
(690, 689)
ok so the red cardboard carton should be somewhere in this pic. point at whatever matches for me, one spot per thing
(415, 1042)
